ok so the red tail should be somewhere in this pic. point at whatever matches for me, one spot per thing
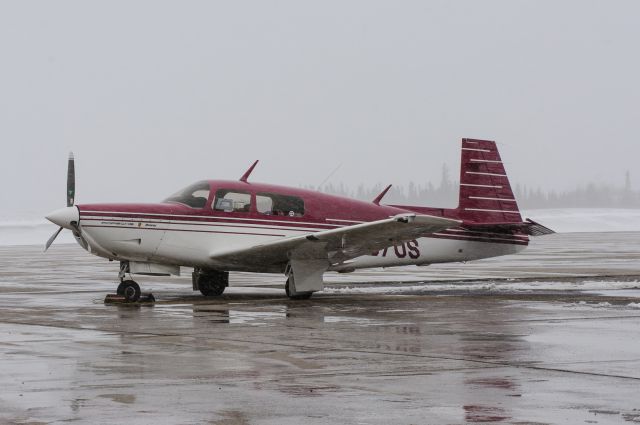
(485, 192)
(487, 203)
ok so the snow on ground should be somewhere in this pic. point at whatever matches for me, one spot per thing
(569, 220)
(499, 286)
(30, 232)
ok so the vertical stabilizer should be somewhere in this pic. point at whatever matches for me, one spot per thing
(485, 191)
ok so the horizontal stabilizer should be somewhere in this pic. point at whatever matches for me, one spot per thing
(528, 227)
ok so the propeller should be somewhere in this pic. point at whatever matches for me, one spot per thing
(52, 238)
(66, 217)
(71, 180)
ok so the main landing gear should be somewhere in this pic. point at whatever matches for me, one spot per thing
(299, 295)
(304, 278)
(211, 283)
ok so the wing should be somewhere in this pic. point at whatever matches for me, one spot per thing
(336, 245)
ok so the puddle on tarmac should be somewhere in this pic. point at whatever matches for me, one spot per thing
(255, 318)
(231, 417)
(120, 398)
(361, 321)
(483, 414)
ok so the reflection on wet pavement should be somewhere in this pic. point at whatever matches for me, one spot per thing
(513, 352)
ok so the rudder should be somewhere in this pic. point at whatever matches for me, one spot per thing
(485, 192)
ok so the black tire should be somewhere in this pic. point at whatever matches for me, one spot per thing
(300, 296)
(211, 283)
(130, 290)
(210, 288)
(120, 290)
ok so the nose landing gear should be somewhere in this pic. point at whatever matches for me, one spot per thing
(128, 290)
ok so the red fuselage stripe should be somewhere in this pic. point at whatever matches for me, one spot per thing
(275, 225)
(207, 220)
(183, 230)
(210, 223)
(449, 236)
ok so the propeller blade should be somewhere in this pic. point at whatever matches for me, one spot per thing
(52, 238)
(71, 181)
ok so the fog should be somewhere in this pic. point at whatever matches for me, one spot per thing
(152, 95)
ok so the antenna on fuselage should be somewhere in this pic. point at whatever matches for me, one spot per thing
(329, 176)
(379, 197)
(246, 175)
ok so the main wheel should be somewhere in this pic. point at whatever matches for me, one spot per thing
(299, 296)
(130, 290)
(211, 288)
(120, 290)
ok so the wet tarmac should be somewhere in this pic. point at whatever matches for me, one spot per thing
(548, 336)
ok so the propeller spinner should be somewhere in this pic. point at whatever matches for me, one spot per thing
(66, 218)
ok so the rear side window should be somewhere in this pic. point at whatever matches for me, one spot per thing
(232, 201)
(282, 205)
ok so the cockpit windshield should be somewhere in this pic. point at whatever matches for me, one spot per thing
(194, 196)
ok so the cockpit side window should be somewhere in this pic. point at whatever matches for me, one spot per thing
(194, 196)
(282, 205)
(232, 201)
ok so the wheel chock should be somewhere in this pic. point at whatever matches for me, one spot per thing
(145, 298)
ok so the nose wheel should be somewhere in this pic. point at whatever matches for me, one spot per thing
(130, 290)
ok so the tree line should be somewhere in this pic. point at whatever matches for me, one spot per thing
(445, 194)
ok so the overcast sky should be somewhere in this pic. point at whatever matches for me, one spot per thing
(152, 95)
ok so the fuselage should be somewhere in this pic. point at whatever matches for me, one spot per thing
(213, 216)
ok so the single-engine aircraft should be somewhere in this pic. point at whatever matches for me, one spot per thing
(220, 226)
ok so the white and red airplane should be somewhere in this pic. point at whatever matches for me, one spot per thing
(218, 226)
